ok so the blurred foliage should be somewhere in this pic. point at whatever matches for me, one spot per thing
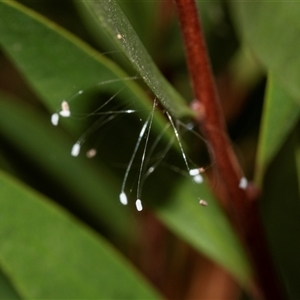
(63, 232)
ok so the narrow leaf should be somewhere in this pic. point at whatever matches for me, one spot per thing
(280, 208)
(280, 115)
(206, 229)
(272, 30)
(112, 20)
(49, 254)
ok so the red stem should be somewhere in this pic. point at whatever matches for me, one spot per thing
(240, 204)
(211, 118)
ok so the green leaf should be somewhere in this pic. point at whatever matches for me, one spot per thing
(49, 254)
(280, 115)
(143, 22)
(206, 229)
(272, 30)
(49, 148)
(112, 20)
(7, 291)
(56, 63)
(280, 208)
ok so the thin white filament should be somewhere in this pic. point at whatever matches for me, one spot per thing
(105, 103)
(94, 127)
(110, 112)
(160, 158)
(189, 127)
(178, 140)
(144, 152)
(142, 132)
(80, 92)
(163, 154)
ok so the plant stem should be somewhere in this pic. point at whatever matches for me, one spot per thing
(211, 118)
(240, 204)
